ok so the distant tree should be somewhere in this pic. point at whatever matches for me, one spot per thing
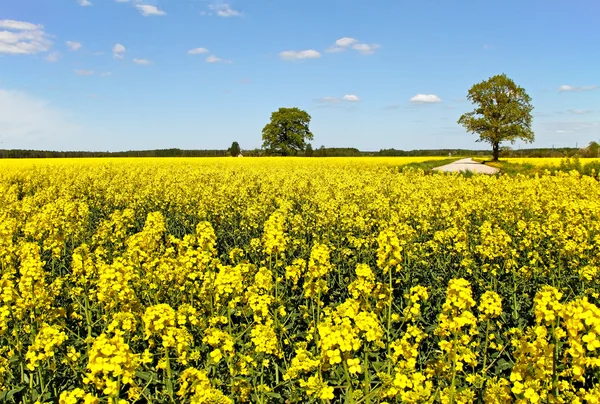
(502, 112)
(235, 150)
(322, 151)
(592, 150)
(309, 152)
(287, 132)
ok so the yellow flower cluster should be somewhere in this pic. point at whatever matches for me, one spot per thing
(295, 280)
(111, 364)
(45, 343)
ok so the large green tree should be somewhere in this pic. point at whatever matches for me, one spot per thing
(235, 150)
(502, 112)
(287, 133)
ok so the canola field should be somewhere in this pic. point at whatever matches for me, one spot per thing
(295, 281)
(547, 161)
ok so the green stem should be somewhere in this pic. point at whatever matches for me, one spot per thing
(453, 385)
(41, 378)
(88, 318)
(389, 319)
(349, 396)
(554, 360)
(367, 378)
(514, 296)
(169, 381)
(487, 329)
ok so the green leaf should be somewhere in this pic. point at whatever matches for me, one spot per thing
(502, 365)
(8, 395)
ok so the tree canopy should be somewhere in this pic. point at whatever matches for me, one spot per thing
(287, 133)
(502, 112)
(235, 150)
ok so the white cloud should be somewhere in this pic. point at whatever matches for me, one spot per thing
(83, 72)
(351, 98)
(119, 51)
(587, 129)
(425, 99)
(29, 122)
(84, 3)
(215, 59)
(579, 111)
(337, 100)
(295, 55)
(53, 57)
(329, 100)
(144, 62)
(197, 51)
(22, 38)
(147, 10)
(365, 49)
(576, 88)
(20, 25)
(105, 74)
(223, 10)
(74, 45)
(122, 1)
(342, 44)
(345, 43)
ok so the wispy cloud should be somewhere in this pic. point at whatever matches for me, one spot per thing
(365, 49)
(143, 62)
(337, 100)
(74, 45)
(580, 128)
(299, 55)
(565, 87)
(345, 43)
(579, 111)
(23, 38)
(27, 121)
(119, 51)
(84, 3)
(83, 72)
(105, 74)
(147, 10)
(197, 51)
(215, 59)
(53, 57)
(222, 10)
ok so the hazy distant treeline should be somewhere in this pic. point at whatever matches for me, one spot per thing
(320, 152)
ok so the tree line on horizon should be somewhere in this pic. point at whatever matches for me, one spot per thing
(590, 151)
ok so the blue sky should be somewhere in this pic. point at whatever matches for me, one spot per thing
(199, 74)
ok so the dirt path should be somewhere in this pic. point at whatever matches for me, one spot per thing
(467, 165)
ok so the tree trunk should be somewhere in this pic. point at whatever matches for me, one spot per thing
(496, 151)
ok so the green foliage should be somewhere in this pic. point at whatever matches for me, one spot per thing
(287, 132)
(427, 166)
(502, 112)
(309, 152)
(592, 150)
(235, 150)
(567, 164)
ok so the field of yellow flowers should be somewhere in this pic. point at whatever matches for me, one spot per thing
(295, 281)
(548, 161)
